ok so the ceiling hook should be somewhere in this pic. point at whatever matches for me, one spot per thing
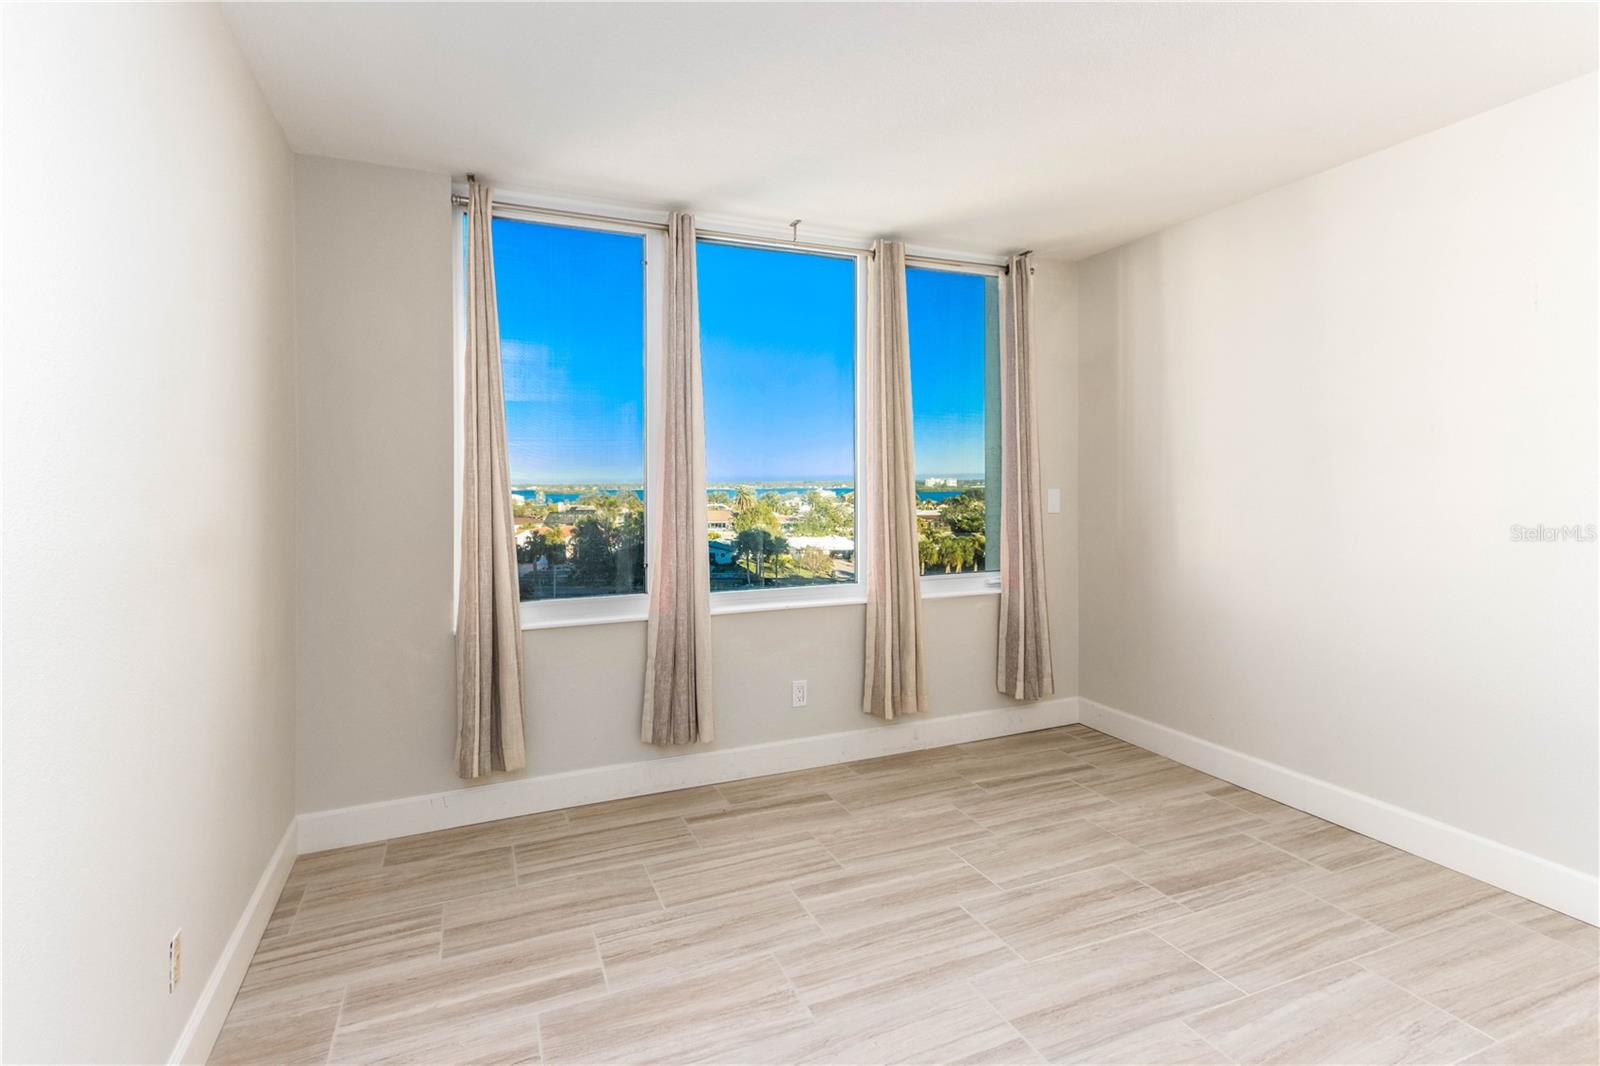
(794, 231)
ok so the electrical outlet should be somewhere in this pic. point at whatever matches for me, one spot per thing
(798, 694)
(174, 960)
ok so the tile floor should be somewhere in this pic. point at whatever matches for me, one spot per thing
(1057, 896)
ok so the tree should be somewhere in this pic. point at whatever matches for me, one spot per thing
(630, 548)
(743, 499)
(542, 543)
(817, 561)
(758, 545)
(963, 514)
(827, 517)
(961, 552)
(929, 550)
(759, 514)
(525, 508)
(594, 561)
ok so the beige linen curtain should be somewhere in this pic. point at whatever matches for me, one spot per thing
(1024, 670)
(894, 684)
(488, 625)
(677, 672)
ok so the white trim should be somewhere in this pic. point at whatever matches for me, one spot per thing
(216, 999)
(340, 827)
(458, 387)
(585, 610)
(978, 583)
(1559, 887)
(954, 264)
(642, 214)
(607, 610)
(784, 598)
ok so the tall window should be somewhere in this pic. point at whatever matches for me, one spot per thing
(572, 351)
(955, 405)
(778, 347)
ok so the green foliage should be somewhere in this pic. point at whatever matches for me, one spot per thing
(963, 514)
(827, 517)
(816, 561)
(755, 547)
(760, 513)
(955, 540)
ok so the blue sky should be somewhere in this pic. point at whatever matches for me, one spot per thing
(945, 311)
(571, 307)
(777, 352)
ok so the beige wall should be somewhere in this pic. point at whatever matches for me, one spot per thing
(1308, 422)
(148, 538)
(374, 337)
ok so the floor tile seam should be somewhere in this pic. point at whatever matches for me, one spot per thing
(1490, 1037)
(1154, 930)
(821, 930)
(951, 848)
(1565, 947)
(972, 988)
(338, 1022)
(1509, 1034)
(390, 911)
(1222, 1056)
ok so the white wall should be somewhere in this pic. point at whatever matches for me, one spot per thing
(1308, 422)
(376, 715)
(148, 542)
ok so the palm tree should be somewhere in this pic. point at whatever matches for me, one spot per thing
(747, 546)
(928, 547)
(959, 552)
(743, 499)
(757, 544)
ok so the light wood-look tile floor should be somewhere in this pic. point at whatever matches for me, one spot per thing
(1057, 896)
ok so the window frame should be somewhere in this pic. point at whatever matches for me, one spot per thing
(741, 601)
(650, 225)
(587, 610)
(980, 582)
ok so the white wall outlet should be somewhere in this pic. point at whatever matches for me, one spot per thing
(1052, 500)
(798, 694)
(174, 961)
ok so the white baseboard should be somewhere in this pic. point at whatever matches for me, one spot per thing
(216, 998)
(1559, 887)
(341, 827)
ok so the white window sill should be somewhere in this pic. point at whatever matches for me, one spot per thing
(945, 586)
(607, 610)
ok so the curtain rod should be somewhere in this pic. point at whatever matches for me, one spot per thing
(458, 200)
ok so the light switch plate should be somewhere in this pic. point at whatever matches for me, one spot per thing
(1052, 501)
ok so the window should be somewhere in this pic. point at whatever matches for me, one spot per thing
(778, 360)
(581, 329)
(955, 412)
(572, 354)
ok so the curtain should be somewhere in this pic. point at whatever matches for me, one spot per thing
(677, 672)
(893, 684)
(1024, 670)
(488, 623)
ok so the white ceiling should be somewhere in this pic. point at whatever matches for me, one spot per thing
(985, 127)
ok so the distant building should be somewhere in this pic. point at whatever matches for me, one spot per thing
(719, 518)
(722, 553)
(840, 547)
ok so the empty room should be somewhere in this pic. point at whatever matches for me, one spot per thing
(787, 533)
